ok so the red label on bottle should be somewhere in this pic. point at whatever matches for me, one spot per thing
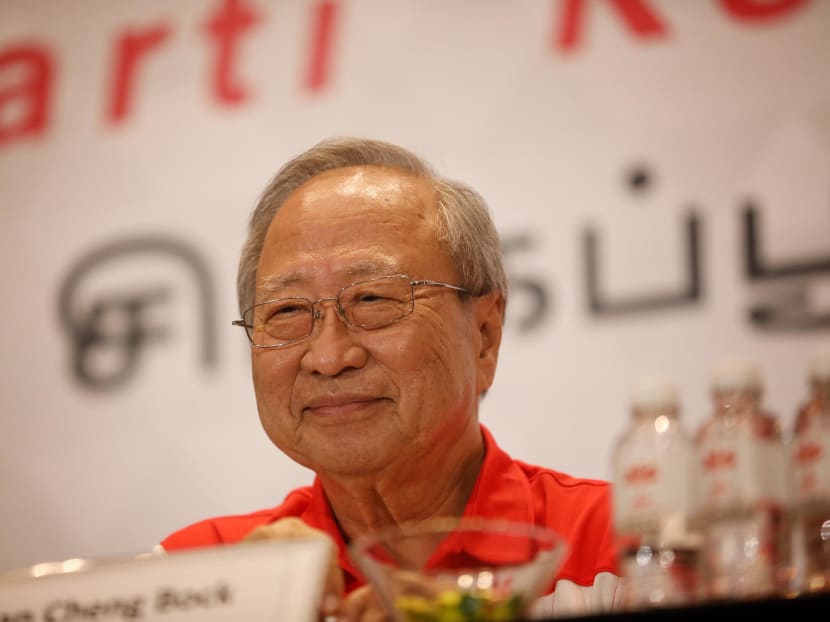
(723, 459)
(640, 473)
(808, 452)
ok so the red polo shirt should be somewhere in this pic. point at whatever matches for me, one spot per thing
(507, 489)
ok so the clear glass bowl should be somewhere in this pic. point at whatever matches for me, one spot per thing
(460, 570)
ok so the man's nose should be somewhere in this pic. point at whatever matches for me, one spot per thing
(334, 346)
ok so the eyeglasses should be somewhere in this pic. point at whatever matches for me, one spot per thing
(365, 304)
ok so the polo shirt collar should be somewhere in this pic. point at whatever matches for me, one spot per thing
(500, 492)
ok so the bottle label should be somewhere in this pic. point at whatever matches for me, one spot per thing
(810, 459)
(742, 469)
(647, 491)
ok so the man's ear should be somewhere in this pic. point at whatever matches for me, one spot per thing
(489, 313)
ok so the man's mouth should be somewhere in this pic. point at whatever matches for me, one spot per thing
(340, 405)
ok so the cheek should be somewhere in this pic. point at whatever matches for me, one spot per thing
(431, 357)
(272, 376)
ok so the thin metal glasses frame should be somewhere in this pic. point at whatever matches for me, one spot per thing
(316, 314)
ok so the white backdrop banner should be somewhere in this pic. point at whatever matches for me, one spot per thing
(659, 171)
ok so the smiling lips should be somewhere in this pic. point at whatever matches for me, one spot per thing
(340, 404)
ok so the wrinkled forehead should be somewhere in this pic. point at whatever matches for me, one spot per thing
(359, 270)
(384, 185)
(356, 222)
(355, 198)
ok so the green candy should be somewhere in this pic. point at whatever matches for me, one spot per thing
(459, 606)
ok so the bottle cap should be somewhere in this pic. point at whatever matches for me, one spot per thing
(652, 391)
(819, 364)
(736, 374)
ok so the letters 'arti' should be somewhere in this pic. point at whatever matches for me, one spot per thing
(26, 97)
(25, 104)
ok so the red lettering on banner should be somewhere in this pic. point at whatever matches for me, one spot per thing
(131, 47)
(638, 15)
(24, 106)
(758, 10)
(25, 103)
(325, 14)
(225, 27)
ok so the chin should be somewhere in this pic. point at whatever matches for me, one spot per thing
(351, 461)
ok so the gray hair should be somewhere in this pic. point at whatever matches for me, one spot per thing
(465, 227)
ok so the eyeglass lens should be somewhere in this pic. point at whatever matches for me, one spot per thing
(368, 304)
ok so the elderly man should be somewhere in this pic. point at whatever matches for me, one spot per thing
(373, 293)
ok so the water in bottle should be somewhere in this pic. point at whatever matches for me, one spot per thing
(742, 496)
(810, 464)
(653, 472)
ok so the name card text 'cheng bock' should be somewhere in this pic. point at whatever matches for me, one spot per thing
(252, 581)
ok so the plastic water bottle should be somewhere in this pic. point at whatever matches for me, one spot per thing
(810, 465)
(653, 471)
(742, 500)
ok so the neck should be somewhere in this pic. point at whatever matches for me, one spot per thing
(437, 484)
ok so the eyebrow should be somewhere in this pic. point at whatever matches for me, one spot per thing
(273, 284)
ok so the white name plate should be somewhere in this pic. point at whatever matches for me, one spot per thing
(247, 582)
